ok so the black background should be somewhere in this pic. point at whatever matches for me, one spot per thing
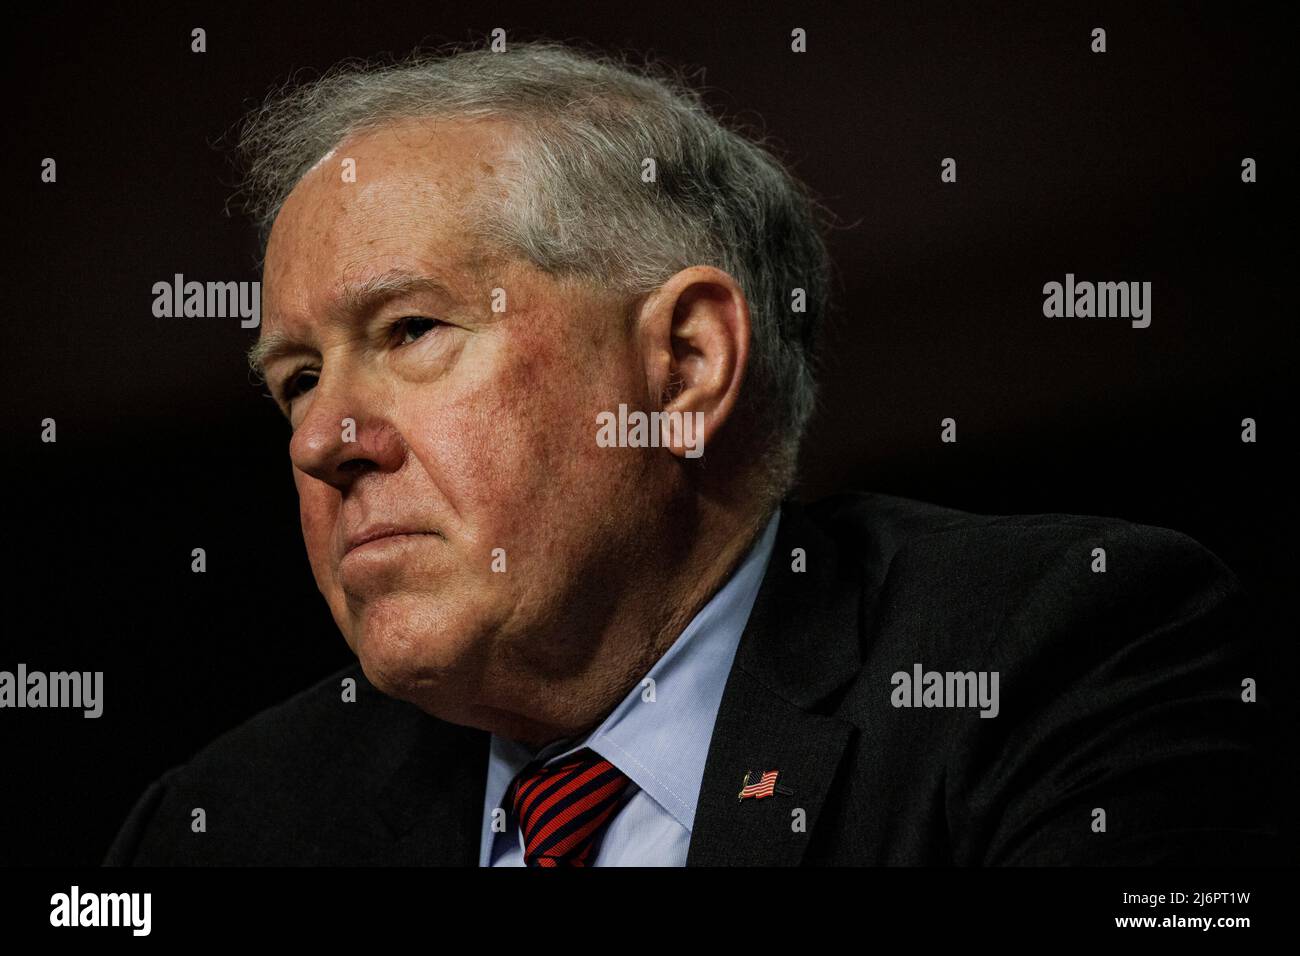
(1117, 166)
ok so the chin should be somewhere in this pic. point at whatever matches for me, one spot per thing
(407, 650)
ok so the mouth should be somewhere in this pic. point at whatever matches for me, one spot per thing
(368, 536)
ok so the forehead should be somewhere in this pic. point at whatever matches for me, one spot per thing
(402, 193)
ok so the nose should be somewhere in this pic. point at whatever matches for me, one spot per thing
(344, 435)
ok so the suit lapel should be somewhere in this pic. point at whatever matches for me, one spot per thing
(432, 803)
(801, 644)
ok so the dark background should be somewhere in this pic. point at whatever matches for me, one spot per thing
(1115, 166)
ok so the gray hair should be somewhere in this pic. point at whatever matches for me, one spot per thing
(577, 206)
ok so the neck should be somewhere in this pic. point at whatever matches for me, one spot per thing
(570, 702)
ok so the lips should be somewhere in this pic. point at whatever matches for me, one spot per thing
(378, 531)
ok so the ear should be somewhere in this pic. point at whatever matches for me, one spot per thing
(693, 333)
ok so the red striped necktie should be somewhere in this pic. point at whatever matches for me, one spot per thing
(562, 809)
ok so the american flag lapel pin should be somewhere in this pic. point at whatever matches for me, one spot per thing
(762, 784)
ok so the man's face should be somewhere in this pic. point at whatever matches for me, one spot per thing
(474, 429)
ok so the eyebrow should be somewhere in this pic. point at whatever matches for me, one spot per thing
(355, 299)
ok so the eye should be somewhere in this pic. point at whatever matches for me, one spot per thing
(303, 380)
(412, 327)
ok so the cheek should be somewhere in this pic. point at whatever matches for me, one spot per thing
(515, 447)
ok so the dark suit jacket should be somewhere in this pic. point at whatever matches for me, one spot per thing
(1119, 690)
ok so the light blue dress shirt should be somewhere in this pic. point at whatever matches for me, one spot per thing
(661, 745)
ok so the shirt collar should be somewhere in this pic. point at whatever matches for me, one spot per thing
(659, 734)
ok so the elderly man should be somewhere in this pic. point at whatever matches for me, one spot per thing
(586, 643)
